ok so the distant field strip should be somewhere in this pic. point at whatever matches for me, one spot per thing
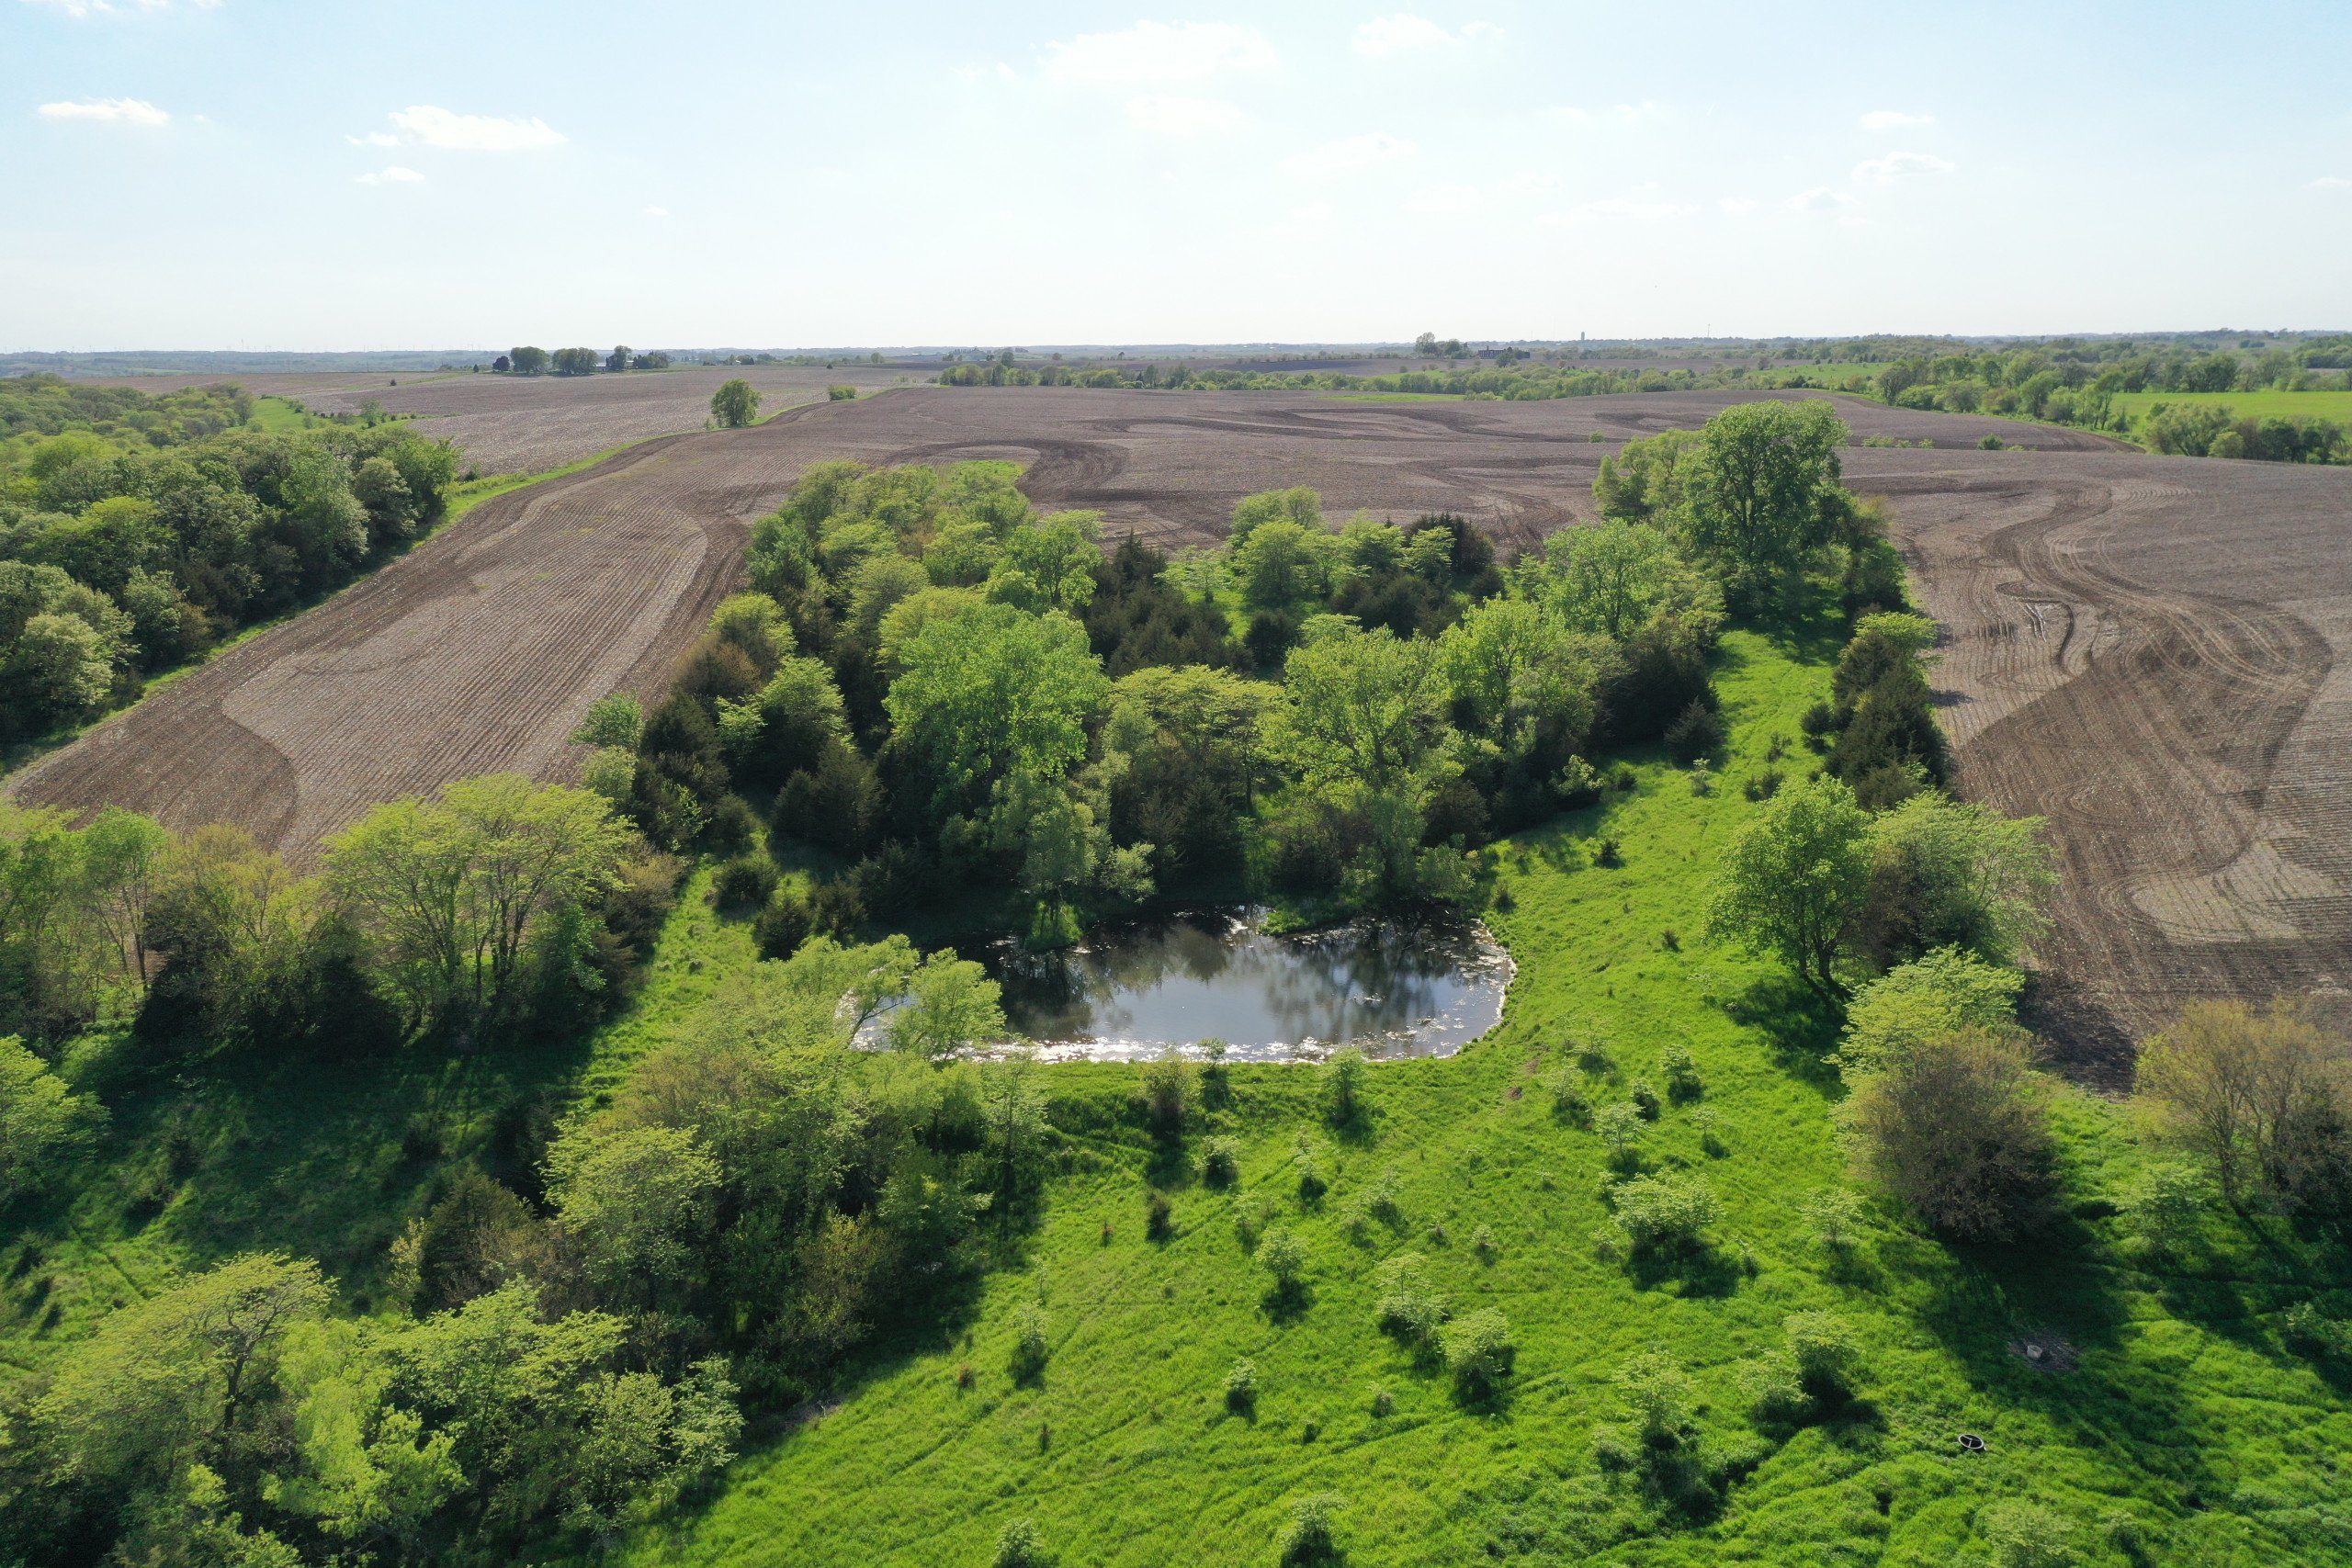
(2334, 405)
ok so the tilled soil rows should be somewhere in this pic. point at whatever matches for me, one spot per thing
(2141, 649)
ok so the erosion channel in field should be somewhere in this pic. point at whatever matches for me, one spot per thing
(1389, 987)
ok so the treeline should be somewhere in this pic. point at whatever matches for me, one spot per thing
(949, 692)
(529, 361)
(1520, 381)
(136, 532)
(565, 1352)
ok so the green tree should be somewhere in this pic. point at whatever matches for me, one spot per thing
(1792, 877)
(1957, 1130)
(527, 361)
(456, 886)
(1514, 668)
(1947, 874)
(1936, 994)
(1763, 488)
(1617, 578)
(991, 691)
(42, 1120)
(638, 1201)
(1049, 564)
(735, 405)
(619, 359)
(950, 1004)
(1364, 708)
(168, 1382)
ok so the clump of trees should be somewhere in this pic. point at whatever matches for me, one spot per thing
(134, 535)
(735, 405)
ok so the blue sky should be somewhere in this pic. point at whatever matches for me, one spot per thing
(267, 174)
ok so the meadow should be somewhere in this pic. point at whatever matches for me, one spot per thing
(2268, 404)
(2163, 1418)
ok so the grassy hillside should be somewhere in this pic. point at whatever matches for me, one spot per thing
(2333, 405)
(2184, 1425)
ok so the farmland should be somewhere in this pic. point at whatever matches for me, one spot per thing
(2266, 404)
(2065, 575)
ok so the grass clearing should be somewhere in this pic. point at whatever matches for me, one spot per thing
(2326, 404)
(2183, 1407)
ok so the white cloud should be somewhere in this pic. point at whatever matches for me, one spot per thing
(1405, 33)
(1632, 209)
(2331, 182)
(1154, 51)
(119, 111)
(657, 212)
(1894, 119)
(1166, 115)
(1820, 198)
(1896, 167)
(1455, 198)
(425, 126)
(394, 175)
(374, 138)
(1739, 206)
(1616, 114)
(1348, 155)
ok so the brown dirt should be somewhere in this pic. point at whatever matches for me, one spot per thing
(2142, 650)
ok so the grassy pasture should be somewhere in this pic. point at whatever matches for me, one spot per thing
(2330, 404)
(2184, 1411)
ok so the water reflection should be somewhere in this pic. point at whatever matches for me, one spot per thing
(1390, 987)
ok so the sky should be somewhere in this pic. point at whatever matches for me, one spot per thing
(299, 174)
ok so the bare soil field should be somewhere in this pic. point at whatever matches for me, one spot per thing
(2145, 650)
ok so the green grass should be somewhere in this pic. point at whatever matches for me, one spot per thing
(1393, 397)
(2330, 404)
(283, 416)
(2184, 1409)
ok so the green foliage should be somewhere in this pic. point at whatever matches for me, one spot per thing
(1827, 1354)
(43, 1122)
(613, 721)
(2023, 1534)
(1792, 877)
(1478, 1353)
(1341, 1083)
(1944, 991)
(1019, 1545)
(1957, 1130)
(1667, 1213)
(1031, 1348)
(735, 405)
(1241, 1387)
(1281, 1255)
(1309, 1535)
(1170, 1089)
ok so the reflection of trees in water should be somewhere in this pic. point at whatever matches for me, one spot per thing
(1359, 982)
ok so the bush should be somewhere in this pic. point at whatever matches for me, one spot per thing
(1569, 1100)
(840, 394)
(1030, 1349)
(1681, 1070)
(2167, 1206)
(1307, 1537)
(1311, 1185)
(2261, 1098)
(1958, 1132)
(1482, 1243)
(1658, 1399)
(1667, 1213)
(1158, 1217)
(1409, 1308)
(1828, 1355)
(1021, 1546)
(1241, 1388)
(1833, 1213)
(1342, 1087)
(1478, 1353)
(1171, 1086)
(1646, 1103)
(1775, 1392)
(1284, 1255)
(1696, 732)
(1620, 1127)
(787, 922)
(746, 882)
(1221, 1162)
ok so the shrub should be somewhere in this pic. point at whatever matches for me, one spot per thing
(2311, 1331)
(2262, 1099)
(1646, 1103)
(2166, 1207)
(1342, 1087)
(1681, 1070)
(1775, 1392)
(1409, 1308)
(1608, 855)
(1221, 1162)
(1241, 1387)
(1311, 1185)
(1667, 1213)
(1828, 1355)
(840, 394)
(1620, 1127)
(1957, 1130)
(747, 882)
(1380, 1200)
(2027, 1535)
(1030, 1349)
(1248, 1219)
(1658, 1398)
(787, 922)
(1171, 1086)
(1021, 1546)
(1383, 1403)
(1568, 1101)
(1482, 1242)
(1158, 1217)
(1832, 1213)
(1711, 1140)
(1764, 786)
(1478, 1353)
(1307, 1537)
(1696, 732)
(1284, 1255)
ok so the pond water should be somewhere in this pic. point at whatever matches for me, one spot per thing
(1419, 988)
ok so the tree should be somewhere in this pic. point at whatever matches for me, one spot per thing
(1364, 708)
(950, 1004)
(616, 720)
(58, 670)
(1645, 483)
(41, 1119)
(1762, 487)
(1049, 564)
(619, 359)
(527, 361)
(166, 1383)
(638, 1201)
(502, 365)
(1616, 578)
(1957, 1130)
(1934, 994)
(575, 361)
(1792, 878)
(735, 405)
(1190, 738)
(1945, 874)
(123, 855)
(2262, 1097)
(993, 691)
(454, 886)
(1516, 670)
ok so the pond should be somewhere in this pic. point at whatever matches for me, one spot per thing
(1396, 988)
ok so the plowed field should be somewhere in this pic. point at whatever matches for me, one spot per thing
(2143, 649)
